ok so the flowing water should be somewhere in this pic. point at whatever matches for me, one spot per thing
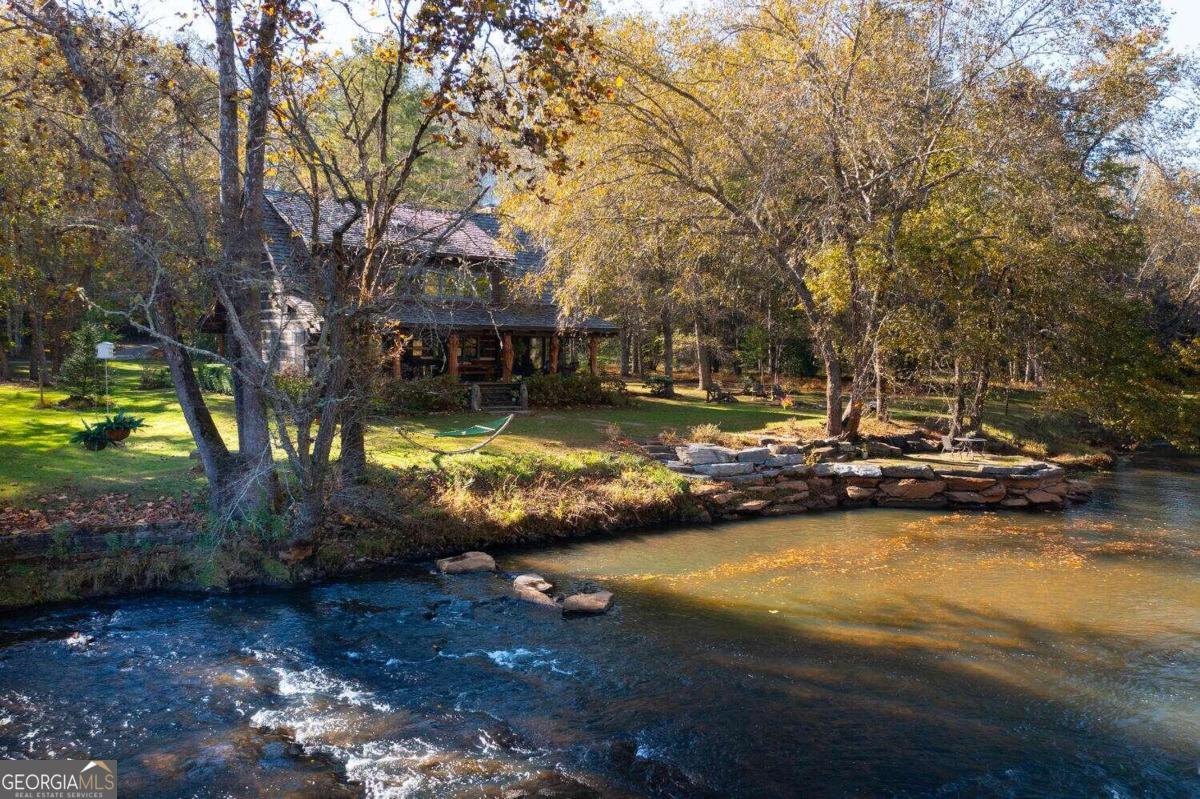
(870, 653)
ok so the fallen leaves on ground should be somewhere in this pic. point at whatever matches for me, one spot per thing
(106, 510)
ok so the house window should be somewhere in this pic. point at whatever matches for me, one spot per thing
(418, 347)
(456, 283)
(470, 347)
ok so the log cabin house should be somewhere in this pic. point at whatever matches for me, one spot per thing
(461, 307)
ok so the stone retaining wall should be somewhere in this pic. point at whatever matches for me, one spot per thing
(772, 481)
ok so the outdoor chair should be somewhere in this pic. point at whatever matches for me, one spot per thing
(778, 393)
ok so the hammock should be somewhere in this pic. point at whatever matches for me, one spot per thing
(492, 430)
(475, 430)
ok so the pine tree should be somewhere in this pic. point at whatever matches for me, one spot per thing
(80, 370)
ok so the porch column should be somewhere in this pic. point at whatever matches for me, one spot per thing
(221, 344)
(452, 347)
(554, 347)
(506, 357)
(593, 355)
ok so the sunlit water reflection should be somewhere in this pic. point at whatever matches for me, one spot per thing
(877, 653)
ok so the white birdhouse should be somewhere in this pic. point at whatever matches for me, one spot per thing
(105, 351)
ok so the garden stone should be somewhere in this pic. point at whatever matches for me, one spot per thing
(467, 563)
(957, 483)
(696, 454)
(785, 449)
(902, 502)
(719, 470)
(590, 603)
(908, 471)
(744, 480)
(753, 506)
(912, 489)
(971, 498)
(753, 455)
(878, 449)
(848, 470)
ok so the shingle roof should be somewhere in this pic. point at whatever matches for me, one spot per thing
(412, 228)
(536, 317)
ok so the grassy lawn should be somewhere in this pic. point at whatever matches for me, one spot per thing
(556, 431)
(35, 458)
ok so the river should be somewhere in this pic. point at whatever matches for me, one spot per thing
(868, 653)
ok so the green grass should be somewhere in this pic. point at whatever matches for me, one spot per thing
(557, 430)
(36, 459)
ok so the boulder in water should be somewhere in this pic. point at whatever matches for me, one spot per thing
(467, 563)
(533, 588)
(533, 581)
(80, 640)
(591, 603)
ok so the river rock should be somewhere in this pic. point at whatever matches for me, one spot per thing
(78, 640)
(1079, 490)
(857, 493)
(753, 506)
(1014, 502)
(1040, 497)
(467, 563)
(594, 602)
(785, 509)
(535, 597)
(910, 488)
(533, 581)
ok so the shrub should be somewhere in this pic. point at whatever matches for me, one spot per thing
(154, 377)
(214, 378)
(660, 386)
(706, 433)
(425, 395)
(80, 370)
(561, 391)
(293, 382)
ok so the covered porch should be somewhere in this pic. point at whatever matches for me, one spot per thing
(474, 355)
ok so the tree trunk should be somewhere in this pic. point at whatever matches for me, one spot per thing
(982, 381)
(833, 387)
(881, 411)
(624, 354)
(957, 400)
(668, 351)
(703, 361)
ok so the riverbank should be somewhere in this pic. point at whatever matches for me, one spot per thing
(981, 654)
(417, 513)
